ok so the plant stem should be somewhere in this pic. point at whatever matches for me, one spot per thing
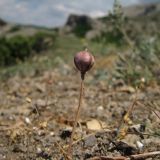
(76, 118)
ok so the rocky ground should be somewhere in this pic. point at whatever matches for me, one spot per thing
(37, 113)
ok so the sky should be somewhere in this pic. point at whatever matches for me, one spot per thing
(51, 13)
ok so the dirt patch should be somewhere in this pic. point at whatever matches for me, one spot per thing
(36, 118)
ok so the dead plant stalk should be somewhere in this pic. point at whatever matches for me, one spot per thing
(83, 61)
(76, 117)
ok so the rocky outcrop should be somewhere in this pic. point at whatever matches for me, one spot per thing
(2, 22)
(82, 26)
(75, 20)
(79, 24)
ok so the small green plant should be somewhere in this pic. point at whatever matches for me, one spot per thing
(115, 28)
(118, 21)
(143, 63)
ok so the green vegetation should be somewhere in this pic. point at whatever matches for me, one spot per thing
(81, 29)
(135, 46)
(19, 48)
(115, 34)
(142, 63)
(15, 28)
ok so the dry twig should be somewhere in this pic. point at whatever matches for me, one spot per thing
(132, 157)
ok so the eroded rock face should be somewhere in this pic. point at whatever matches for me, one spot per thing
(75, 20)
(83, 26)
(149, 9)
(2, 23)
(79, 24)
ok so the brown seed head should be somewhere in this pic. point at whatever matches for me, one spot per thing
(83, 61)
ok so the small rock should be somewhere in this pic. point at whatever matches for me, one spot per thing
(40, 103)
(28, 100)
(19, 148)
(39, 150)
(41, 132)
(90, 141)
(139, 145)
(52, 133)
(41, 88)
(65, 134)
(27, 120)
(100, 110)
(87, 155)
(94, 125)
(125, 148)
(131, 139)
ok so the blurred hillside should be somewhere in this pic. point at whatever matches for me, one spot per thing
(142, 10)
(125, 33)
(138, 13)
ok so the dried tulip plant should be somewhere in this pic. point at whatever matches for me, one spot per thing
(83, 61)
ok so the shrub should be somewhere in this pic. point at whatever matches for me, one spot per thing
(41, 41)
(5, 54)
(142, 63)
(18, 48)
(15, 28)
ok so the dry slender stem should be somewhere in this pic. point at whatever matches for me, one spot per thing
(76, 118)
(123, 121)
(149, 109)
(132, 106)
(145, 155)
(156, 114)
(109, 158)
(63, 152)
(132, 157)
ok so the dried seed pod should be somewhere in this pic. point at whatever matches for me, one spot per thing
(83, 61)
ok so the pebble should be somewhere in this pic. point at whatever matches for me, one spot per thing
(90, 141)
(27, 120)
(139, 145)
(39, 150)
